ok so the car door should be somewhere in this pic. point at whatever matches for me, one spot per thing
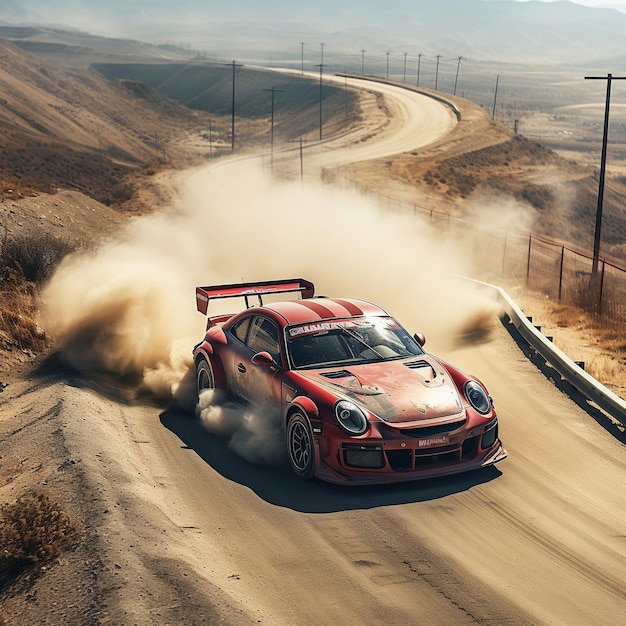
(233, 352)
(257, 384)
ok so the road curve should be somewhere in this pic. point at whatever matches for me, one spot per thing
(415, 120)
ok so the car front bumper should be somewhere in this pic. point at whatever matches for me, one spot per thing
(406, 459)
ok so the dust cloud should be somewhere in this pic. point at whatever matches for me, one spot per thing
(501, 212)
(254, 434)
(128, 308)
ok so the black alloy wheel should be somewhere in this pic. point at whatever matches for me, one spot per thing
(301, 446)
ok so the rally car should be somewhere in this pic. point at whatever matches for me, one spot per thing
(359, 400)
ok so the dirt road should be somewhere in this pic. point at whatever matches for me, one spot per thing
(179, 529)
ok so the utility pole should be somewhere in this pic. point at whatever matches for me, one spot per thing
(605, 139)
(273, 90)
(495, 98)
(388, 53)
(419, 65)
(456, 79)
(321, 71)
(321, 66)
(437, 72)
(363, 62)
(404, 79)
(302, 57)
(232, 133)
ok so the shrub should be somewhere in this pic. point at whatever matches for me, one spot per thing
(122, 192)
(36, 256)
(540, 196)
(18, 313)
(33, 532)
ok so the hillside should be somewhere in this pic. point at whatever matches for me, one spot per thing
(74, 129)
(80, 154)
(292, 101)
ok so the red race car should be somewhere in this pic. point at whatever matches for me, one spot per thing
(360, 401)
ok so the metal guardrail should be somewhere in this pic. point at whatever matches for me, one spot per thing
(568, 369)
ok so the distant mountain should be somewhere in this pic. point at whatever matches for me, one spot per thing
(494, 30)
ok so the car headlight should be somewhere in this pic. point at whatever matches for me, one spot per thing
(350, 417)
(477, 397)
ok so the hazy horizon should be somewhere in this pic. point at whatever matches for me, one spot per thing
(554, 31)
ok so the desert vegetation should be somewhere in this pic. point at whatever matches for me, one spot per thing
(26, 261)
(35, 166)
(33, 533)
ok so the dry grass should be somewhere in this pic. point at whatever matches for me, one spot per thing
(34, 256)
(597, 342)
(37, 166)
(26, 261)
(18, 314)
(33, 533)
(494, 166)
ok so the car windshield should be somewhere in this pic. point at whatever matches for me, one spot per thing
(349, 341)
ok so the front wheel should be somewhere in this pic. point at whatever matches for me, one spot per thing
(301, 446)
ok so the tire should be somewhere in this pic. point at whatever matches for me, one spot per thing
(300, 446)
(204, 376)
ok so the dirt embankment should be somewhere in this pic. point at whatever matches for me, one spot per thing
(73, 129)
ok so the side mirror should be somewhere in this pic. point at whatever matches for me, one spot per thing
(263, 358)
(420, 338)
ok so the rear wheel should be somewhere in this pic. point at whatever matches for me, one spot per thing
(204, 376)
(301, 446)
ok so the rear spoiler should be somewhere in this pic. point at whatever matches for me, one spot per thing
(245, 290)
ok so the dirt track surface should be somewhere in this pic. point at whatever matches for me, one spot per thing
(178, 529)
(185, 531)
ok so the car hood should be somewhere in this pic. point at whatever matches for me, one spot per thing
(410, 390)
